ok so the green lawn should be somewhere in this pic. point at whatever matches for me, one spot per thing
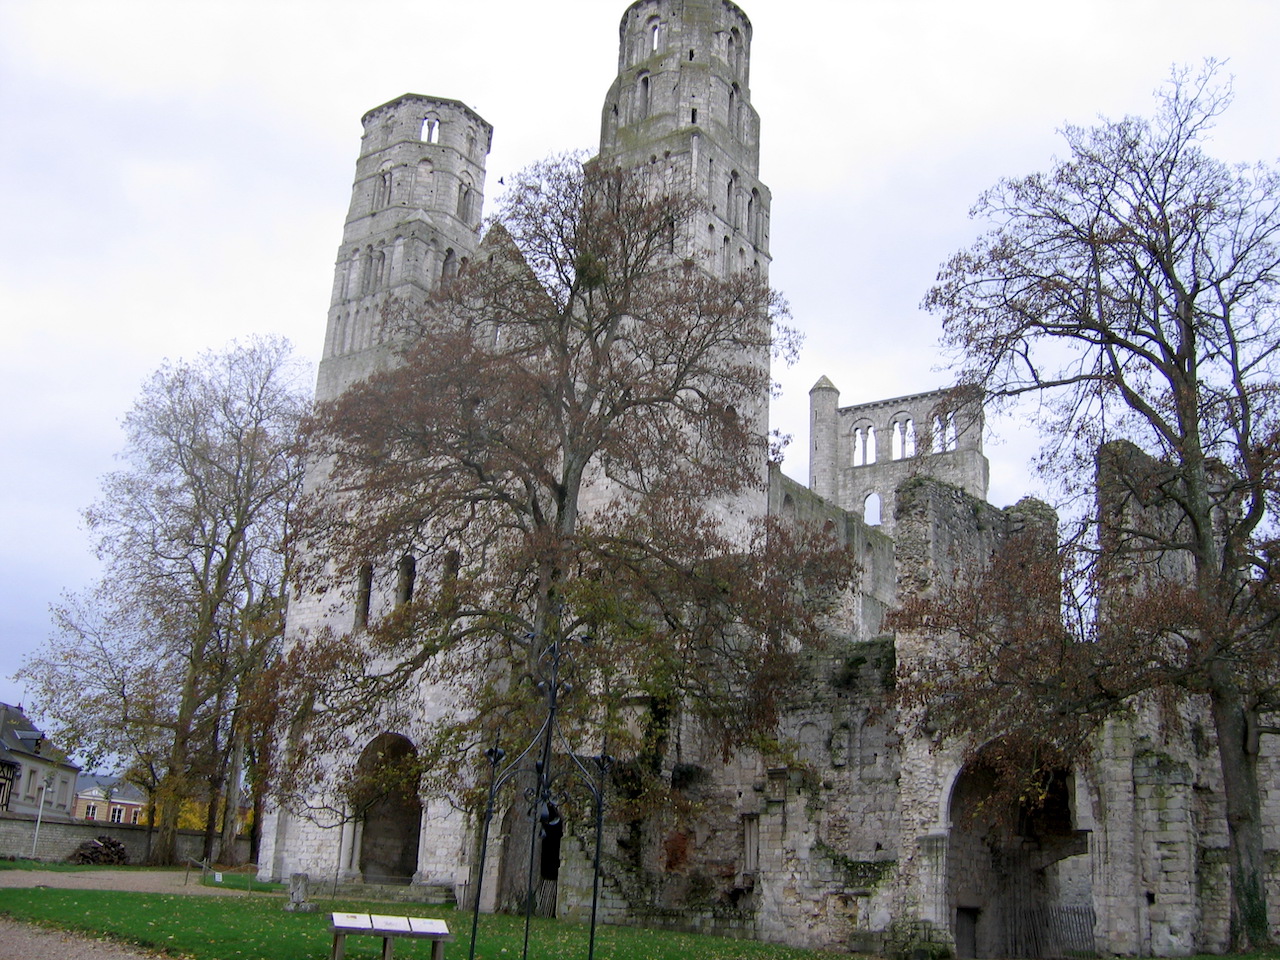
(61, 866)
(253, 928)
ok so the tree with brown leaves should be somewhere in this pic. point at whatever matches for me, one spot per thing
(570, 443)
(1133, 290)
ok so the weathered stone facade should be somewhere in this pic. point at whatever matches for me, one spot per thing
(848, 834)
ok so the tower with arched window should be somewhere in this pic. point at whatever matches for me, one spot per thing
(414, 219)
(682, 102)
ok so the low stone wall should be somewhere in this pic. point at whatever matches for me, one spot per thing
(60, 837)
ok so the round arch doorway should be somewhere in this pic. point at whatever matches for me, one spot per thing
(1018, 872)
(391, 810)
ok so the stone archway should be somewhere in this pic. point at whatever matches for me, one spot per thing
(1015, 870)
(392, 810)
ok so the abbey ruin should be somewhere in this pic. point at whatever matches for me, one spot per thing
(866, 839)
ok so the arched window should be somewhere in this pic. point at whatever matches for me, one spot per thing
(654, 29)
(423, 183)
(871, 445)
(430, 129)
(364, 595)
(908, 437)
(840, 740)
(406, 572)
(871, 510)
(449, 269)
(642, 97)
(944, 433)
(351, 282)
(731, 201)
(384, 189)
(465, 192)
(471, 143)
(366, 270)
(731, 121)
(725, 263)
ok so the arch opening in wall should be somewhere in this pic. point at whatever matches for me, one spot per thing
(642, 96)
(430, 132)
(423, 183)
(1018, 871)
(944, 433)
(384, 191)
(864, 446)
(406, 574)
(904, 438)
(364, 596)
(386, 799)
(871, 510)
(366, 271)
(465, 199)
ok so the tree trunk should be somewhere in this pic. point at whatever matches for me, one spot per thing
(1249, 927)
(228, 853)
(169, 796)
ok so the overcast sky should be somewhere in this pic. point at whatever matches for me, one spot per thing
(174, 174)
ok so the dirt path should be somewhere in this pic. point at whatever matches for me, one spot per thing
(139, 881)
(24, 941)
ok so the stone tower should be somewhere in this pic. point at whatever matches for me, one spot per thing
(681, 106)
(682, 99)
(414, 218)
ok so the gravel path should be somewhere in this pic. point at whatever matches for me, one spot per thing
(24, 941)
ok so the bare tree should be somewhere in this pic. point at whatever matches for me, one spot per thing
(191, 534)
(571, 443)
(1133, 288)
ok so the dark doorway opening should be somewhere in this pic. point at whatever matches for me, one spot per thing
(392, 810)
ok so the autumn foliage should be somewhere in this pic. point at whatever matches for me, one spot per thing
(570, 444)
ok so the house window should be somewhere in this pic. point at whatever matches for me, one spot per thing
(8, 777)
(117, 814)
(31, 784)
(133, 817)
(91, 811)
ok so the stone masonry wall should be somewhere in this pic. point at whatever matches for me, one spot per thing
(60, 838)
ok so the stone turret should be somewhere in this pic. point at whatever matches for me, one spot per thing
(414, 218)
